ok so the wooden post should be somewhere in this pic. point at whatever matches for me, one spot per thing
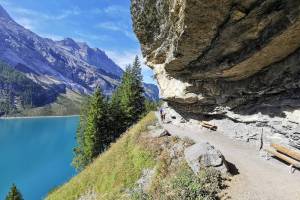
(292, 169)
(261, 139)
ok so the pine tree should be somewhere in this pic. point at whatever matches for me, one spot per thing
(116, 115)
(103, 121)
(80, 160)
(138, 89)
(131, 93)
(126, 95)
(93, 135)
(14, 194)
(150, 106)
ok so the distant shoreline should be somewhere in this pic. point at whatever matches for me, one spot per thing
(33, 117)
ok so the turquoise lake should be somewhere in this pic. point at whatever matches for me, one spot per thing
(36, 154)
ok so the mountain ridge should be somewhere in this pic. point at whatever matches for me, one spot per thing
(4, 14)
(59, 65)
(51, 61)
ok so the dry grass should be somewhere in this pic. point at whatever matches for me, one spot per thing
(114, 171)
(114, 174)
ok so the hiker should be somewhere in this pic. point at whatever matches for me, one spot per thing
(161, 114)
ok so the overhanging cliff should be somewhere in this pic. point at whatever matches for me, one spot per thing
(237, 59)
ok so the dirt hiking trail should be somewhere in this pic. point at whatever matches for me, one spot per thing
(256, 178)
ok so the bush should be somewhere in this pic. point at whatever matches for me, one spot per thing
(184, 184)
(187, 185)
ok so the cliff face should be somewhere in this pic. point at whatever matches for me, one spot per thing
(237, 59)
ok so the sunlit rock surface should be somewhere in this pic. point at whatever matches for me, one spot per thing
(232, 59)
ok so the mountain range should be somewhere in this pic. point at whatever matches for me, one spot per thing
(55, 67)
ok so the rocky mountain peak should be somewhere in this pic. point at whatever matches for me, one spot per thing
(83, 45)
(69, 42)
(4, 14)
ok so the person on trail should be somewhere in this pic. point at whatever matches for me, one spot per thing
(161, 114)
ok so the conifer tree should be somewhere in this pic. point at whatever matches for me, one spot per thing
(14, 194)
(116, 115)
(150, 106)
(138, 89)
(128, 102)
(103, 121)
(93, 135)
(80, 160)
(95, 138)
(131, 93)
(126, 97)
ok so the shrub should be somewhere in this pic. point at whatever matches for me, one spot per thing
(187, 185)
(184, 184)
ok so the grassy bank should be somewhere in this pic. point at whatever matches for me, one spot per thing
(114, 174)
(113, 171)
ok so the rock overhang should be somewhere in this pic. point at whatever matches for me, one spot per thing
(233, 59)
(214, 53)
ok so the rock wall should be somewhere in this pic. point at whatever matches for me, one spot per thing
(229, 60)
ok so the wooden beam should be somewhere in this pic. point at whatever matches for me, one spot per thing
(209, 126)
(284, 157)
(205, 122)
(292, 153)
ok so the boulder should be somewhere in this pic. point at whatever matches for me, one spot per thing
(204, 155)
(152, 127)
(159, 133)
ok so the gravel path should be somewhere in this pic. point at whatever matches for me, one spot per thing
(257, 178)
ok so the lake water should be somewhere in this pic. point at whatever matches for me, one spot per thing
(36, 154)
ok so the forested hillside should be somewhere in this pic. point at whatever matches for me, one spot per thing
(19, 92)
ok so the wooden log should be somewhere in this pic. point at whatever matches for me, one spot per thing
(209, 126)
(206, 122)
(292, 153)
(287, 159)
(206, 126)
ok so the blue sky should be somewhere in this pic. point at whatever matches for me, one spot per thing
(105, 24)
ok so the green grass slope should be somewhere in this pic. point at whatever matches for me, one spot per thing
(114, 171)
(114, 174)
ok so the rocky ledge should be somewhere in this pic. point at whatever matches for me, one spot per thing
(237, 61)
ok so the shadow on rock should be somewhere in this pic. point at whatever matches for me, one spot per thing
(232, 169)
